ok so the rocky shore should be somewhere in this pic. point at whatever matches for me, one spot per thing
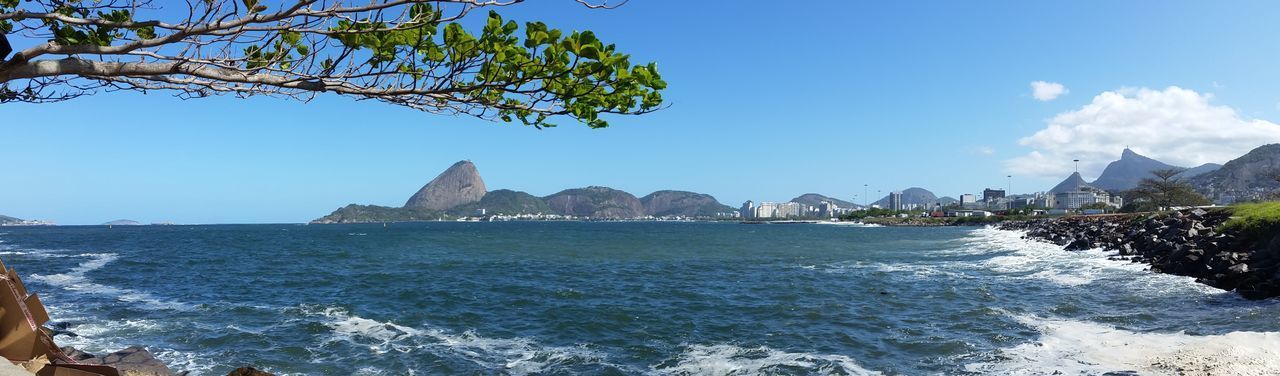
(136, 361)
(1191, 243)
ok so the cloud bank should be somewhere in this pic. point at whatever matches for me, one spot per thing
(1047, 91)
(1175, 125)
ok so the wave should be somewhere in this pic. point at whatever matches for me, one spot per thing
(519, 356)
(724, 359)
(848, 224)
(101, 337)
(75, 280)
(1017, 257)
(1068, 347)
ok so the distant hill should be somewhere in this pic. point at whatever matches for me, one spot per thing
(373, 213)
(948, 200)
(814, 199)
(1199, 170)
(7, 220)
(460, 184)
(1125, 173)
(912, 196)
(596, 202)
(1071, 184)
(682, 203)
(1249, 177)
(505, 201)
(123, 222)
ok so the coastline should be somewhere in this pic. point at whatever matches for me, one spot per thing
(1193, 243)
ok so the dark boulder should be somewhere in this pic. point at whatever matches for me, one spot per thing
(249, 371)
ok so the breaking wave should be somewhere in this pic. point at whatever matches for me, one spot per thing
(519, 356)
(77, 281)
(726, 359)
(1068, 347)
(1029, 259)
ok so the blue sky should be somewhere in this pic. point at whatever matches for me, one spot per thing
(768, 101)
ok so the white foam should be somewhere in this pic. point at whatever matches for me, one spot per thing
(1081, 348)
(724, 359)
(513, 355)
(1030, 259)
(102, 337)
(849, 224)
(75, 280)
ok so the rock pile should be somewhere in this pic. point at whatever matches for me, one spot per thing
(1188, 243)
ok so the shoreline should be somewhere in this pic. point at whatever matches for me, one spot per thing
(1192, 243)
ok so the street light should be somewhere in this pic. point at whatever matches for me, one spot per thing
(1077, 161)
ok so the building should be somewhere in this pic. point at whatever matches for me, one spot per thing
(990, 195)
(788, 210)
(895, 201)
(968, 201)
(1045, 201)
(748, 209)
(826, 209)
(766, 210)
(1073, 200)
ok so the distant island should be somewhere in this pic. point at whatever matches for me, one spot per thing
(123, 222)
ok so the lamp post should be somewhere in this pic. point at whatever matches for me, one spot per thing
(864, 196)
(1077, 161)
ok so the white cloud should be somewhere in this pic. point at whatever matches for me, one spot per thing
(1047, 91)
(1175, 125)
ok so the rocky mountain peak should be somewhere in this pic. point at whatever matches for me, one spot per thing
(460, 184)
(1073, 183)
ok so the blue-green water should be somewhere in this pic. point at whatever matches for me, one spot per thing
(623, 298)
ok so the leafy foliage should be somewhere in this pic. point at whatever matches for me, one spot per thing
(414, 54)
(373, 213)
(1164, 190)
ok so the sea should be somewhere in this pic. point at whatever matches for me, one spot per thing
(630, 298)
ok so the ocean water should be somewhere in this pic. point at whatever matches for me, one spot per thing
(630, 299)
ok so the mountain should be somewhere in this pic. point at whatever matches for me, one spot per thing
(458, 185)
(947, 200)
(7, 220)
(681, 203)
(123, 222)
(1125, 173)
(596, 202)
(505, 201)
(912, 196)
(373, 213)
(1199, 170)
(1072, 184)
(1249, 177)
(814, 199)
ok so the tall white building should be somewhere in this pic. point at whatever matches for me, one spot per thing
(767, 210)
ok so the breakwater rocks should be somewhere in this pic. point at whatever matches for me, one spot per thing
(1190, 243)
